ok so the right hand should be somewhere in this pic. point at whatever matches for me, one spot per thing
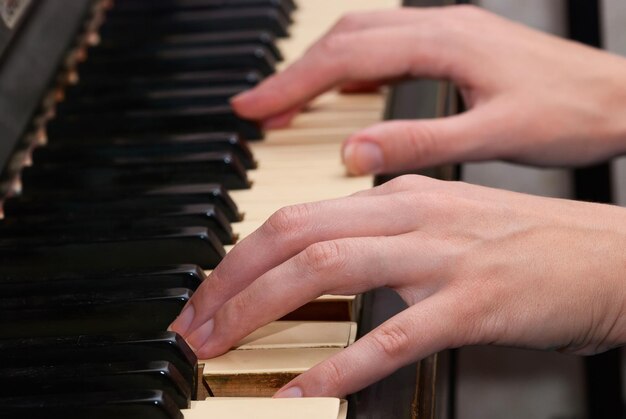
(474, 265)
(532, 98)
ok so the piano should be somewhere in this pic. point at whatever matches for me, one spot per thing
(126, 177)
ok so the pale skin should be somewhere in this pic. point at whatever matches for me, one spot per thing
(475, 265)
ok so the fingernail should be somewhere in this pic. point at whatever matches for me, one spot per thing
(201, 335)
(290, 393)
(183, 321)
(363, 157)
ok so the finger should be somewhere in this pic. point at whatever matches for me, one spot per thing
(397, 146)
(353, 22)
(348, 56)
(423, 329)
(285, 234)
(339, 267)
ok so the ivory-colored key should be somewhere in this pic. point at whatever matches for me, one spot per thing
(273, 355)
(258, 373)
(265, 408)
(289, 334)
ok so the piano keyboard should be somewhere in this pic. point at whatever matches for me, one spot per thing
(131, 200)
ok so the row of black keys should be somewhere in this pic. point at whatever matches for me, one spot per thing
(120, 152)
(134, 174)
(139, 375)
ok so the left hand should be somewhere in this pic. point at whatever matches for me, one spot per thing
(475, 265)
(531, 97)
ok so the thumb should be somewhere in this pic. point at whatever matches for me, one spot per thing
(415, 333)
(397, 146)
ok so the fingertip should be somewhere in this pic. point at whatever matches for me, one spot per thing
(200, 336)
(363, 157)
(183, 322)
(244, 103)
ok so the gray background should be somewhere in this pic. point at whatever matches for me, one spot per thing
(510, 383)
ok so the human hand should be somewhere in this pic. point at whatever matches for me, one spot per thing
(532, 98)
(475, 266)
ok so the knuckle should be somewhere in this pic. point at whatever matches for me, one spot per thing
(288, 220)
(322, 257)
(461, 13)
(405, 182)
(334, 45)
(468, 9)
(333, 375)
(392, 340)
(349, 21)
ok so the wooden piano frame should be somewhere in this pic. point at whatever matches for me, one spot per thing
(423, 390)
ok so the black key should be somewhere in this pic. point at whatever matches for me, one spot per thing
(79, 225)
(160, 346)
(236, 58)
(195, 119)
(183, 276)
(96, 377)
(142, 404)
(198, 40)
(102, 150)
(219, 20)
(60, 201)
(169, 6)
(102, 84)
(221, 168)
(150, 99)
(97, 312)
(32, 256)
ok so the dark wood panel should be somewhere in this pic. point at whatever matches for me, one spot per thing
(594, 183)
(423, 389)
(30, 65)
